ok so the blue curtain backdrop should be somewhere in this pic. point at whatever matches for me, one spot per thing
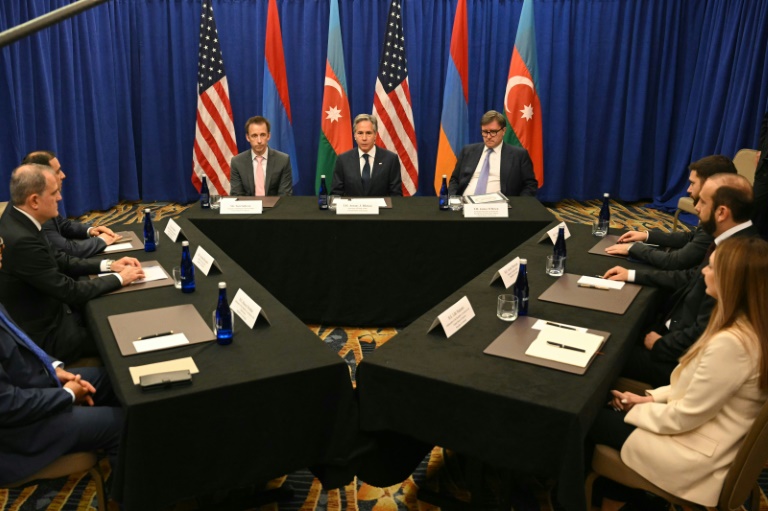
(632, 90)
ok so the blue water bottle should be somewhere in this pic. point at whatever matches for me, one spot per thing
(223, 317)
(443, 202)
(560, 250)
(187, 269)
(205, 195)
(520, 288)
(150, 241)
(322, 196)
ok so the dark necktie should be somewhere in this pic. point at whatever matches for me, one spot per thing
(30, 344)
(366, 173)
(710, 249)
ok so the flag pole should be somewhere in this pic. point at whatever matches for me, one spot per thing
(46, 20)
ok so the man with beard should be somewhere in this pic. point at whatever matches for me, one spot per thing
(724, 208)
(677, 250)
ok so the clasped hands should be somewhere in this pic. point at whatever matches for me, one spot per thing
(82, 389)
(129, 269)
(105, 233)
(624, 401)
(625, 242)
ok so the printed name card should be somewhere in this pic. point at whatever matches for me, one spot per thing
(354, 207)
(232, 206)
(454, 317)
(508, 273)
(491, 210)
(204, 261)
(552, 233)
(172, 230)
(248, 310)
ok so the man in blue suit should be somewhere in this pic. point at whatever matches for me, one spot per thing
(46, 411)
(493, 166)
(368, 170)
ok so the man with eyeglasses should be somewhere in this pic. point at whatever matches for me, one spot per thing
(261, 170)
(493, 166)
(72, 237)
(368, 170)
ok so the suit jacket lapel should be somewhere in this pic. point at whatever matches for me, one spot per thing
(267, 173)
(504, 166)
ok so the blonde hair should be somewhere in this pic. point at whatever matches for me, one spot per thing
(741, 276)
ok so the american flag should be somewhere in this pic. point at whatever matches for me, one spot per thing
(392, 102)
(215, 131)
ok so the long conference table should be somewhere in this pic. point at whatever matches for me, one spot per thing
(277, 399)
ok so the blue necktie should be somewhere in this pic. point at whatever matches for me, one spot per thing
(482, 181)
(34, 348)
(366, 173)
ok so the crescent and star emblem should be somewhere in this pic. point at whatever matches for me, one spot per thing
(512, 82)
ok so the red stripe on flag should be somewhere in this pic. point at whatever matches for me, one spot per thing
(226, 132)
(205, 148)
(273, 51)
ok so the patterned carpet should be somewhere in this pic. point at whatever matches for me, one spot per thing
(436, 472)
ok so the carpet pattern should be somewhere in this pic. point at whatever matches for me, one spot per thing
(436, 472)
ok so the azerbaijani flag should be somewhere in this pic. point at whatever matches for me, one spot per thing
(276, 103)
(336, 134)
(454, 122)
(521, 101)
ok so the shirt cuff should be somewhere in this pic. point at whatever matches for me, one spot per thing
(118, 278)
(630, 275)
(88, 232)
(104, 265)
(71, 393)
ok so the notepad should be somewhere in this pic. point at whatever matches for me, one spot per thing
(546, 346)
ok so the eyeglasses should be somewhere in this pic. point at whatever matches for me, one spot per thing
(491, 133)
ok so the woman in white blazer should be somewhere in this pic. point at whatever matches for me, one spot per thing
(684, 437)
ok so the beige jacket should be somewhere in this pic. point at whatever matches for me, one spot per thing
(687, 438)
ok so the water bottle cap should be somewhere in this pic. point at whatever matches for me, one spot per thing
(185, 243)
(222, 285)
(606, 195)
(523, 261)
(322, 176)
(147, 210)
(444, 176)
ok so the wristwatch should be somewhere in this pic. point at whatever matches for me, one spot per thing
(109, 264)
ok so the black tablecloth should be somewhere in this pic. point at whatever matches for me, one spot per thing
(275, 400)
(507, 413)
(383, 270)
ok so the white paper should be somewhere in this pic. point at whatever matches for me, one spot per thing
(354, 207)
(159, 343)
(491, 210)
(540, 348)
(542, 323)
(203, 260)
(597, 282)
(117, 246)
(553, 232)
(374, 201)
(454, 317)
(244, 306)
(232, 206)
(508, 272)
(178, 364)
(150, 273)
(172, 230)
(488, 197)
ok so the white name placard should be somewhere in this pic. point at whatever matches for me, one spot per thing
(204, 261)
(352, 207)
(552, 233)
(248, 310)
(508, 272)
(232, 206)
(172, 230)
(491, 210)
(454, 317)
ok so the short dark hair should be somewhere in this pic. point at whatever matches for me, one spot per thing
(257, 119)
(735, 193)
(492, 115)
(42, 157)
(711, 165)
(26, 180)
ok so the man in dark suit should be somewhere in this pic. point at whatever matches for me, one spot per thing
(36, 284)
(72, 237)
(261, 170)
(724, 209)
(687, 248)
(493, 166)
(369, 170)
(760, 216)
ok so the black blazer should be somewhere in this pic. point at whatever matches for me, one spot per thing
(72, 237)
(36, 281)
(385, 175)
(516, 170)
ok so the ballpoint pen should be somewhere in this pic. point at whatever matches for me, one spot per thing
(560, 326)
(155, 335)
(565, 346)
(592, 286)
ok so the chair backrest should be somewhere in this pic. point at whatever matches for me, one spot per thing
(745, 162)
(748, 464)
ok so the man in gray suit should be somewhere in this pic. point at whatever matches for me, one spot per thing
(261, 170)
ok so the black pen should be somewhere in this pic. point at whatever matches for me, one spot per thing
(155, 335)
(560, 326)
(565, 346)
